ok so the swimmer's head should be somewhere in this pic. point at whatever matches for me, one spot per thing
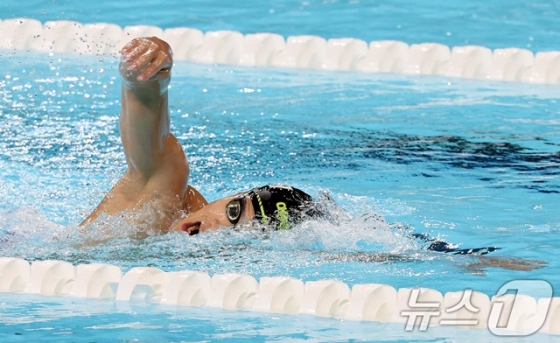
(280, 206)
(276, 207)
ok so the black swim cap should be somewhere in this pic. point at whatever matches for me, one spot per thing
(281, 206)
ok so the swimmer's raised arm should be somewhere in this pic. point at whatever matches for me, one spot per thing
(144, 123)
(157, 167)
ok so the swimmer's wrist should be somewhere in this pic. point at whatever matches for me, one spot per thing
(130, 78)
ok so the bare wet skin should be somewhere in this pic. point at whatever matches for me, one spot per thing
(474, 267)
(508, 263)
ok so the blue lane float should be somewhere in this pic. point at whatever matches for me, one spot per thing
(273, 50)
(286, 295)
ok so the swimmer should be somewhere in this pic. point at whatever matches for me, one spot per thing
(158, 170)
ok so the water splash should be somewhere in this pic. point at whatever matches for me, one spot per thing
(29, 234)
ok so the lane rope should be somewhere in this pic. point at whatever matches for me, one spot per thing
(286, 295)
(273, 50)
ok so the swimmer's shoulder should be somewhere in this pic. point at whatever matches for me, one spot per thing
(193, 200)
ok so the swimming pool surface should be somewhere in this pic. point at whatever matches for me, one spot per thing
(474, 163)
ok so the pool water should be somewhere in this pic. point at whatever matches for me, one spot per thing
(474, 163)
(440, 156)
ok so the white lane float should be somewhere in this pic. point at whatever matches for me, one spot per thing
(187, 288)
(14, 274)
(100, 39)
(224, 47)
(473, 62)
(466, 307)
(372, 302)
(508, 314)
(50, 277)
(306, 52)
(511, 64)
(344, 54)
(546, 68)
(272, 50)
(259, 49)
(233, 291)
(141, 284)
(279, 295)
(427, 58)
(96, 280)
(184, 41)
(385, 57)
(19, 34)
(415, 303)
(325, 298)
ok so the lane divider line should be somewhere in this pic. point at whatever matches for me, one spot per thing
(323, 298)
(273, 50)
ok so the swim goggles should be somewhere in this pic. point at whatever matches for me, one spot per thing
(234, 209)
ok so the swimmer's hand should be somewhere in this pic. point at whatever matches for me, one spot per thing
(146, 59)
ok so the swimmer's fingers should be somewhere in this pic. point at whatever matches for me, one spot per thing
(143, 59)
(148, 56)
(129, 46)
(135, 48)
(160, 62)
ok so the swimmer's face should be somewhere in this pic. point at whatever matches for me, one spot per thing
(220, 213)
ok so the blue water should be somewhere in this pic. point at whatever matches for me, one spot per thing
(474, 163)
